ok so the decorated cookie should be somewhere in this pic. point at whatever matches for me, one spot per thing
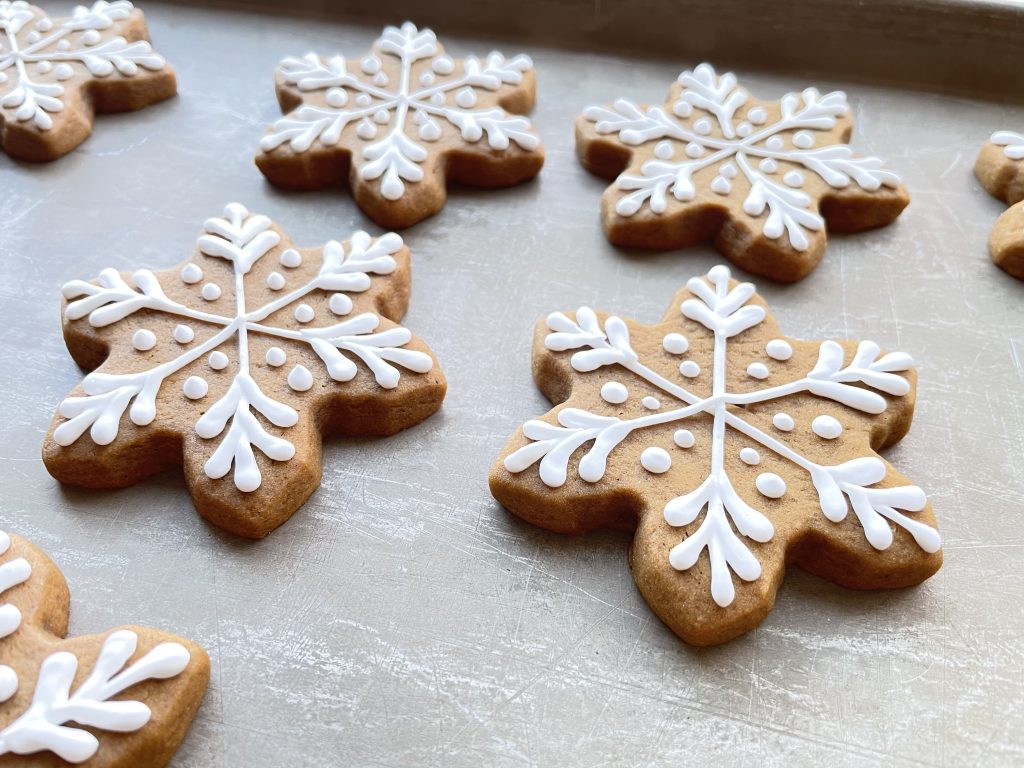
(55, 73)
(120, 699)
(400, 122)
(760, 178)
(1000, 167)
(236, 363)
(730, 449)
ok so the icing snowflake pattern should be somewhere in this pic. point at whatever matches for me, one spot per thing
(234, 423)
(710, 125)
(729, 521)
(38, 54)
(56, 718)
(398, 117)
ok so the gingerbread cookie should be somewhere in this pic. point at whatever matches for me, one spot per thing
(760, 178)
(120, 699)
(252, 344)
(1000, 167)
(55, 73)
(731, 449)
(402, 122)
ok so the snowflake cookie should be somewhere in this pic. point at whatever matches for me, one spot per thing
(251, 344)
(55, 73)
(762, 178)
(400, 122)
(117, 700)
(731, 449)
(1000, 167)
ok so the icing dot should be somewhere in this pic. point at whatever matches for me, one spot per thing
(750, 456)
(336, 97)
(783, 421)
(370, 65)
(770, 485)
(757, 371)
(683, 438)
(191, 274)
(663, 150)
(304, 313)
(757, 115)
(826, 427)
(90, 37)
(689, 369)
(728, 170)
(380, 79)
(366, 130)
(702, 126)
(381, 117)
(429, 131)
(744, 129)
(656, 460)
(779, 349)
(300, 379)
(211, 291)
(44, 25)
(775, 142)
(437, 99)
(363, 100)
(427, 78)
(682, 109)
(8, 683)
(340, 304)
(651, 403)
(675, 343)
(803, 139)
(275, 281)
(768, 165)
(794, 179)
(63, 45)
(63, 71)
(442, 65)
(44, 67)
(195, 387)
(614, 392)
(465, 98)
(143, 340)
(276, 357)
(218, 361)
(183, 334)
(694, 150)
(291, 258)
(720, 185)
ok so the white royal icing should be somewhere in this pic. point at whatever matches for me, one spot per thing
(827, 427)
(685, 148)
(12, 573)
(728, 519)
(242, 239)
(1011, 142)
(37, 53)
(389, 153)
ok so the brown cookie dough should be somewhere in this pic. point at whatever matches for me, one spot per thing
(730, 449)
(759, 178)
(402, 122)
(120, 699)
(1000, 167)
(236, 364)
(56, 73)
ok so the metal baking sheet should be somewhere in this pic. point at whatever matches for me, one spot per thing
(402, 617)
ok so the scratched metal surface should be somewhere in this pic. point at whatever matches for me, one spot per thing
(401, 617)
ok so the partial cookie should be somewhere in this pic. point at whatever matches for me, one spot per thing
(402, 122)
(1000, 167)
(55, 73)
(236, 364)
(760, 178)
(120, 699)
(730, 449)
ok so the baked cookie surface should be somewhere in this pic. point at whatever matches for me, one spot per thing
(119, 699)
(400, 123)
(236, 364)
(732, 451)
(762, 179)
(56, 73)
(1000, 168)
